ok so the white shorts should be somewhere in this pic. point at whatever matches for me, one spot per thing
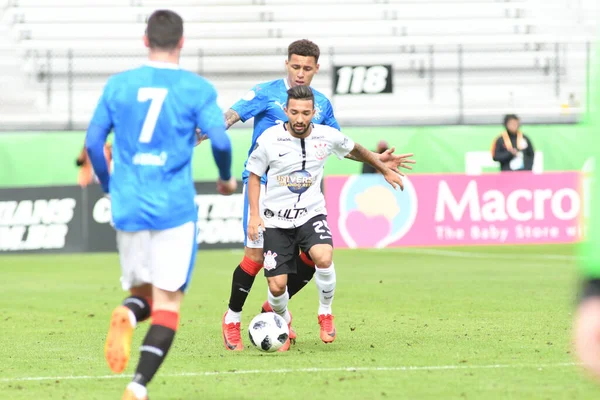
(163, 258)
(253, 244)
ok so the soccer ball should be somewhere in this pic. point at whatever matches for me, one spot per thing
(268, 332)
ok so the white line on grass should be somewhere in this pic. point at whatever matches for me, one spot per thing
(468, 254)
(295, 370)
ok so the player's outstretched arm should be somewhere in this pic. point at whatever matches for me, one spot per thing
(255, 223)
(391, 160)
(390, 175)
(231, 117)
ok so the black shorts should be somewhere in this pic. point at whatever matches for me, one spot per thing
(281, 246)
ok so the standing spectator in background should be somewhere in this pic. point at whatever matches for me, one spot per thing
(382, 147)
(512, 149)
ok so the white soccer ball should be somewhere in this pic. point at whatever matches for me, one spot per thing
(268, 332)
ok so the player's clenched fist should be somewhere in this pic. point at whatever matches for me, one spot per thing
(227, 188)
(255, 225)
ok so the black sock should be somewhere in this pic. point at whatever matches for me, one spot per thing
(139, 306)
(298, 280)
(241, 284)
(156, 345)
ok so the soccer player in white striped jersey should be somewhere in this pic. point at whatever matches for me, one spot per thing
(293, 213)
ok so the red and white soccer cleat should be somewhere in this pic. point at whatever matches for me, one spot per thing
(232, 337)
(327, 328)
(129, 395)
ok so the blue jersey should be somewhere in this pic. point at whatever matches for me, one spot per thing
(154, 111)
(266, 101)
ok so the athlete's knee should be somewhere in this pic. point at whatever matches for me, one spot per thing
(322, 255)
(253, 261)
(277, 285)
(255, 255)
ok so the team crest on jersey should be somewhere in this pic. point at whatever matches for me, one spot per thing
(320, 151)
(270, 261)
(249, 95)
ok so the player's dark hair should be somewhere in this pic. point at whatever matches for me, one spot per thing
(164, 30)
(304, 48)
(300, 93)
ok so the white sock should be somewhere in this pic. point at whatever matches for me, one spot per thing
(140, 391)
(279, 305)
(233, 317)
(325, 280)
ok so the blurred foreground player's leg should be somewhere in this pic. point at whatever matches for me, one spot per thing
(587, 328)
(170, 258)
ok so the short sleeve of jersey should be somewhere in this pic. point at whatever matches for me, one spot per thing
(102, 116)
(253, 103)
(209, 115)
(258, 162)
(342, 144)
(329, 119)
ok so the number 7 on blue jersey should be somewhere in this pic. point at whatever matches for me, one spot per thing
(157, 97)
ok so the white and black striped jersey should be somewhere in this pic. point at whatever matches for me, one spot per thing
(294, 169)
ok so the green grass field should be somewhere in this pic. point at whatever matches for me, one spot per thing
(468, 323)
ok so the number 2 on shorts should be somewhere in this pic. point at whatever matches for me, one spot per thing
(322, 227)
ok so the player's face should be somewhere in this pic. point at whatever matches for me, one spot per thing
(300, 113)
(301, 70)
(512, 125)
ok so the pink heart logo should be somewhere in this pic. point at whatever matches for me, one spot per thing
(367, 231)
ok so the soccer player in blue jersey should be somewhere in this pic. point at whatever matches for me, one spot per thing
(154, 111)
(265, 103)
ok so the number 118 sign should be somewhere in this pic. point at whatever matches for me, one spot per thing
(362, 79)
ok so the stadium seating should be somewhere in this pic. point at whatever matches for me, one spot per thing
(477, 58)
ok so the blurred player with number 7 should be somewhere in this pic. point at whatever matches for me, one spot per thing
(154, 111)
